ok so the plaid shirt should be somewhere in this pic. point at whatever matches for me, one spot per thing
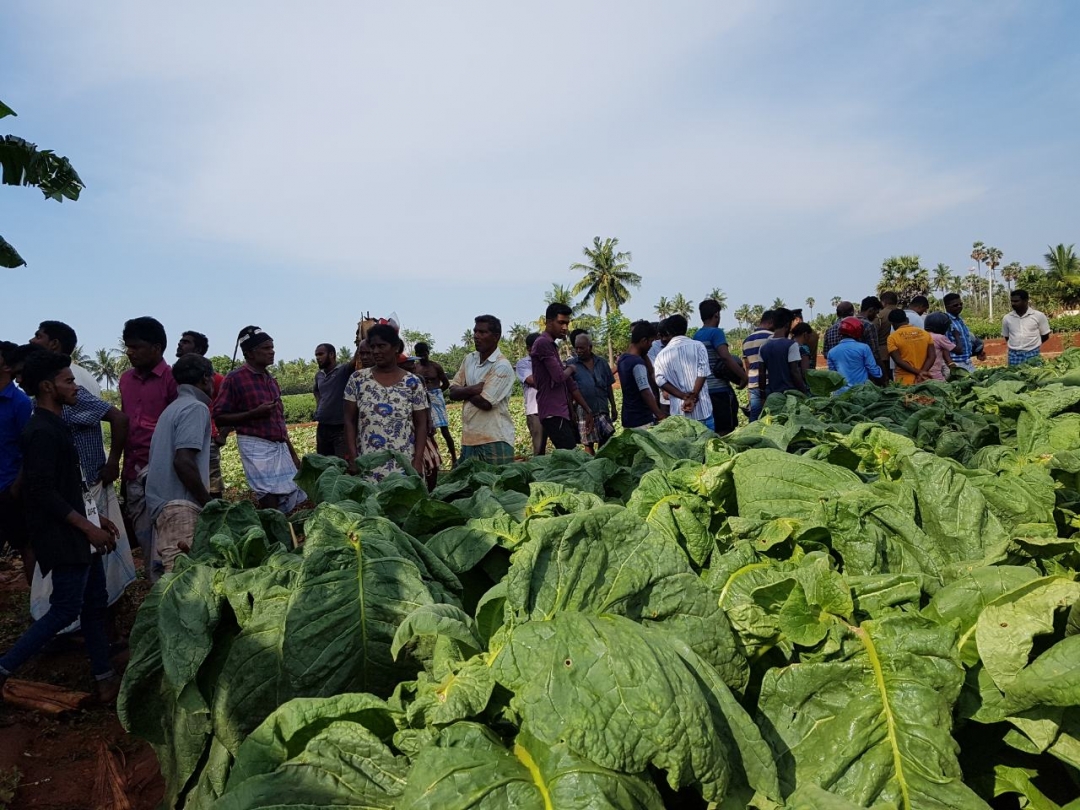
(960, 335)
(245, 389)
(833, 336)
(84, 419)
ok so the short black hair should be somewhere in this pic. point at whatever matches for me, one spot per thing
(530, 339)
(422, 349)
(938, 323)
(674, 325)
(62, 333)
(781, 317)
(897, 317)
(191, 369)
(1021, 294)
(890, 298)
(41, 367)
(202, 344)
(920, 300)
(386, 333)
(870, 302)
(796, 312)
(573, 336)
(768, 315)
(8, 352)
(556, 309)
(802, 329)
(845, 309)
(950, 297)
(493, 324)
(147, 329)
(640, 330)
(709, 309)
(331, 348)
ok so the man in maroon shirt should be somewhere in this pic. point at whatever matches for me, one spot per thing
(555, 386)
(146, 389)
(250, 402)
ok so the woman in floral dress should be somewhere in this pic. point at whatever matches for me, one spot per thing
(386, 408)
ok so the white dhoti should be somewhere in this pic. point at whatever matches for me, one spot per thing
(269, 469)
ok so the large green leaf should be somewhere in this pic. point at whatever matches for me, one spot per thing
(469, 768)
(318, 752)
(626, 697)
(355, 588)
(608, 562)
(874, 726)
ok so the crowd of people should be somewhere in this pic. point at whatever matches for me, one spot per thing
(378, 411)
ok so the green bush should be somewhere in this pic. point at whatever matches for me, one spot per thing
(299, 408)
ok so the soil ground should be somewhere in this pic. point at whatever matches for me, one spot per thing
(51, 763)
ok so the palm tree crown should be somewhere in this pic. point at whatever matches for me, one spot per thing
(606, 279)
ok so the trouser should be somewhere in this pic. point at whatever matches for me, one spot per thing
(725, 410)
(757, 402)
(216, 488)
(560, 432)
(330, 440)
(536, 433)
(140, 524)
(12, 522)
(78, 593)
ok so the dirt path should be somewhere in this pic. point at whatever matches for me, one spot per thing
(58, 763)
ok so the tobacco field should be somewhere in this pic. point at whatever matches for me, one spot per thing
(867, 601)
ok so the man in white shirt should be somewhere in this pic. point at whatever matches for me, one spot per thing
(484, 383)
(532, 409)
(681, 370)
(1024, 329)
(916, 311)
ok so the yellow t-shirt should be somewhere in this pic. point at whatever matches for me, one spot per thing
(913, 343)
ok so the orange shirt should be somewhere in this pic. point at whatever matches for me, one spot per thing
(913, 344)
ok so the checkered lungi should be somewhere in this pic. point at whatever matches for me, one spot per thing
(1016, 358)
(492, 452)
(438, 408)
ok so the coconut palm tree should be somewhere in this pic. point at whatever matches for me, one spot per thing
(1010, 273)
(742, 315)
(606, 280)
(558, 294)
(993, 261)
(681, 305)
(956, 284)
(942, 277)
(978, 255)
(719, 296)
(835, 301)
(778, 303)
(105, 366)
(810, 305)
(79, 357)
(1062, 263)
(756, 311)
(663, 307)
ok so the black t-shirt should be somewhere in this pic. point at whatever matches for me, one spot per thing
(635, 413)
(52, 488)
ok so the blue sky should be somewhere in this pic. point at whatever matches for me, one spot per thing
(294, 165)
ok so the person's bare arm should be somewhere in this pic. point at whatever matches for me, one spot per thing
(352, 414)
(444, 381)
(903, 364)
(258, 412)
(420, 430)
(729, 360)
(797, 376)
(928, 363)
(118, 430)
(186, 465)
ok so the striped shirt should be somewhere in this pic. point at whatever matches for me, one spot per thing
(751, 351)
(680, 363)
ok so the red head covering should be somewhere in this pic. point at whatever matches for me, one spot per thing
(852, 328)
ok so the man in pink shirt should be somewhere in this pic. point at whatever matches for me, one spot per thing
(146, 389)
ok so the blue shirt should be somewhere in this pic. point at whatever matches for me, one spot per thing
(713, 337)
(15, 410)
(960, 335)
(855, 361)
